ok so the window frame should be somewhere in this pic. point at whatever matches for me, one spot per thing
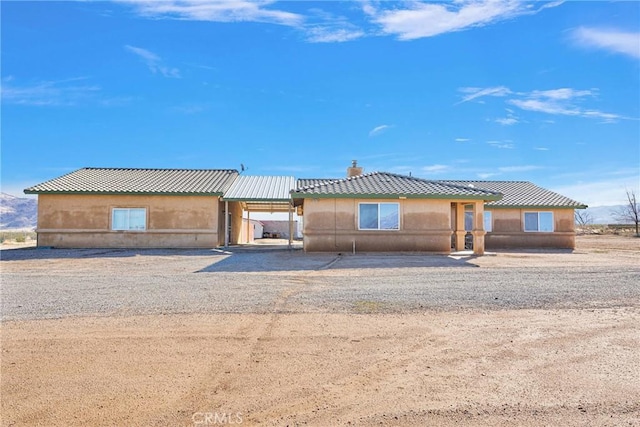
(468, 219)
(538, 213)
(128, 219)
(488, 225)
(379, 205)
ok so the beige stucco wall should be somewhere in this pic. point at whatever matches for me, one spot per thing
(508, 230)
(331, 225)
(68, 220)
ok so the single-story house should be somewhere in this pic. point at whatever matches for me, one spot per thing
(378, 211)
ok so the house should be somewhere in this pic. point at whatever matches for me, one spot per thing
(527, 216)
(113, 207)
(378, 211)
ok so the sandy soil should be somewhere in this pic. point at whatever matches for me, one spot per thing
(453, 367)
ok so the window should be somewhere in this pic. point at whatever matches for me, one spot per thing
(488, 224)
(468, 221)
(129, 219)
(538, 221)
(379, 216)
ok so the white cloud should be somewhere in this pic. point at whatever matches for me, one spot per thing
(523, 168)
(215, 11)
(626, 43)
(435, 169)
(475, 92)
(154, 62)
(379, 130)
(462, 139)
(329, 34)
(67, 92)
(486, 175)
(541, 148)
(507, 121)
(324, 27)
(543, 106)
(562, 93)
(561, 101)
(562, 106)
(420, 19)
(501, 144)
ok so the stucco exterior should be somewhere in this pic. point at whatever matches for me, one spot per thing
(331, 225)
(84, 221)
(377, 211)
(508, 230)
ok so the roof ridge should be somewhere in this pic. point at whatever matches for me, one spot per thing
(483, 180)
(153, 169)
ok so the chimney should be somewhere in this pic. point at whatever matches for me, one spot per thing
(354, 170)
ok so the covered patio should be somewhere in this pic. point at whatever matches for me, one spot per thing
(260, 194)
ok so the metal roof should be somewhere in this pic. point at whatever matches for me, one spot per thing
(262, 193)
(522, 194)
(139, 181)
(260, 188)
(384, 184)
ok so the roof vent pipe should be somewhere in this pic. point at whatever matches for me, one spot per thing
(354, 170)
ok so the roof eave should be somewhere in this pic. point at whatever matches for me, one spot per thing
(263, 200)
(125, 193)
(487, 197)
(537, 207)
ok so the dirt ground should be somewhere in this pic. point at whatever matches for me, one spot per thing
(433, 367)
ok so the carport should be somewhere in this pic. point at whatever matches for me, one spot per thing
(264, 194)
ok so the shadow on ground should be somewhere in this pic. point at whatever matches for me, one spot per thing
(252, 262)
(252, 259)
(34, 253)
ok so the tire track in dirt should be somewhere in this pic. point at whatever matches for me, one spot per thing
(209, 391)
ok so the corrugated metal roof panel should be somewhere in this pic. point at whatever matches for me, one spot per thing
(139, 181)
(261, 188)
(522, 194)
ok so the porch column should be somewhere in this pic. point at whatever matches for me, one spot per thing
(248, 227)
(290, 225)
(226, 224)
(459, 231)
(478, 228)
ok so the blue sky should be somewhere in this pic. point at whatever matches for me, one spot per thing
(498, 90)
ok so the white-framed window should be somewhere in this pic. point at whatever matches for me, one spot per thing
(538, 222)
(488, 223)
(129, 219)
(468, 221)
(379, 216)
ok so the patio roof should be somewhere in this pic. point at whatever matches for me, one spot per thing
(262, 193)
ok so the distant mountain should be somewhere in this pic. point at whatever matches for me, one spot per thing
(604, 214)
(16, 212)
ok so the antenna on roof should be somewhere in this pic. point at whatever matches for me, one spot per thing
(243, 167)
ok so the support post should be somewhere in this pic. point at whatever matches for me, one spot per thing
(248, 227)
(460, 231)
(290, 225)
(226, 224)
(478, 228)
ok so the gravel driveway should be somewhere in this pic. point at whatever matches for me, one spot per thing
(50, 283)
